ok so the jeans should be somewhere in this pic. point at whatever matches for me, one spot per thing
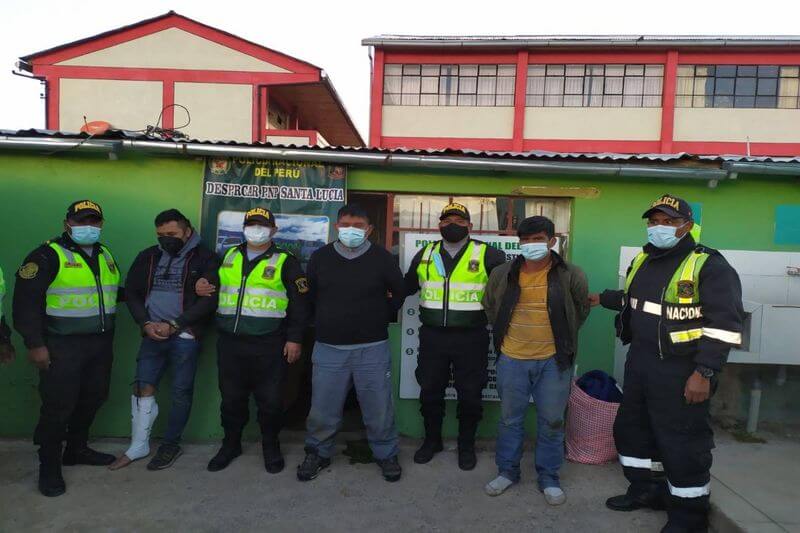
(335, 370)
(181, 354)
(517, 381)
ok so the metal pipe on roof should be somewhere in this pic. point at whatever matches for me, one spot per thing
(767, 169)
(378, 159)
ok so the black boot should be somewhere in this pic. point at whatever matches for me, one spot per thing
(273, 458)
(432, 443)
(230, 450)
(652, 496)
(466, 444)
(51, 482)
(83, 455)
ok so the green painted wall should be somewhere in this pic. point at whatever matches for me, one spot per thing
(35, 190)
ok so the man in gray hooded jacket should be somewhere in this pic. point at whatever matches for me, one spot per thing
(162, 300)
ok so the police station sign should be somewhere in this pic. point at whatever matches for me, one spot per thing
(409, 388)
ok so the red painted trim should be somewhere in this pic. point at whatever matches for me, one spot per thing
(520, 90)
(668, 101)
(740, 58)
(738, 148)
(595, 57)
(263, 105)
(311, 135)
(256, 105)
(376, 102)
(589, 146)
(158, 74)
(441, 143)
(167, 99)
(508, 58)
(53, 103)
(185, 24)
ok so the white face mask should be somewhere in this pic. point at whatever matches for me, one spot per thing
(257, 235)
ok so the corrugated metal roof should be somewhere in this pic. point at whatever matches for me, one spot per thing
(582, 40)
(507, 155)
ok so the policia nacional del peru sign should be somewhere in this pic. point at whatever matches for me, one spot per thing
(304, 197)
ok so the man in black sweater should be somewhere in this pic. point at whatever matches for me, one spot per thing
(356, 287)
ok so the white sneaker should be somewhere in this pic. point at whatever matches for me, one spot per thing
(497, 486)
(554, 495)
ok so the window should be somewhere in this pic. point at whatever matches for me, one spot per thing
(743, 86)
(490, 215)
(449, 85)
(594, 85)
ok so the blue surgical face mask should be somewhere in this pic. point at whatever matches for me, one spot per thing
(84, 235)
(352, 237)
(534, 251)
(663, 237)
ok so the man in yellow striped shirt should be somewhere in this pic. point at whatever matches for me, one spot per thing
(536, 304)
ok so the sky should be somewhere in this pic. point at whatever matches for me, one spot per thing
(328, 33)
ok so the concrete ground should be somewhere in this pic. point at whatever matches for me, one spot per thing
(756, 486)
(433, 497)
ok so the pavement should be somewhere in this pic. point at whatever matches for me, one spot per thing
(436, 497)
(754, 489)
(756, 486)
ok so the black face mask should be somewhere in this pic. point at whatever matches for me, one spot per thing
(454, 232)
(171, 245)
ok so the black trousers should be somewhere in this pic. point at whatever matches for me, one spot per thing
(466, 351)
(72, 389)
(659, 435)
(256, 367)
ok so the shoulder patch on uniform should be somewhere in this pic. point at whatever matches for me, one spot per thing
(302, 285)
(28, 270)
(686, 289)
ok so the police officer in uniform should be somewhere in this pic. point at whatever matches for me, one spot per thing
(262, 312)
(681, 312)
(65, 301)
(451, 276)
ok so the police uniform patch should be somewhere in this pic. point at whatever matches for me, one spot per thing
(72, 265)
(302, 285)
(685, 289)
(111, 266)
(473, 266)
(269, 272)
(28, 270)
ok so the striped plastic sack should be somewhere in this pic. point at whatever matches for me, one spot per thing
(590, 428)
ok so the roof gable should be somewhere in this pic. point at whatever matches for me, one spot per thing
(128, 36)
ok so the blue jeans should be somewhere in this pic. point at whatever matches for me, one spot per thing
(152, 362)
(370, 371)
(517, 381)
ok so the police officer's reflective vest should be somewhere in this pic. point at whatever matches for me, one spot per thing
(78, 301)
(252, 305)
(680, 308)
(453, 300)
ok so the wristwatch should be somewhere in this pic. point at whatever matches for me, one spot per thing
(704, 371)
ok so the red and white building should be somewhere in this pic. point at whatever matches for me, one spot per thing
(630, 94)
(233, 89)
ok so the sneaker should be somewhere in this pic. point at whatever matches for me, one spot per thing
(224, 457)
(497, 486)
(86, 456)
(165, 457)
(312, 465)
(273, 458)
(429, 448)
(390, 468)
(554, 495)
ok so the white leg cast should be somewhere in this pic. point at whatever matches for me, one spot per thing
(144, 412)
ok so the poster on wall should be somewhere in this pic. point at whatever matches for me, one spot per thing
(304, 197)
(409, 388)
